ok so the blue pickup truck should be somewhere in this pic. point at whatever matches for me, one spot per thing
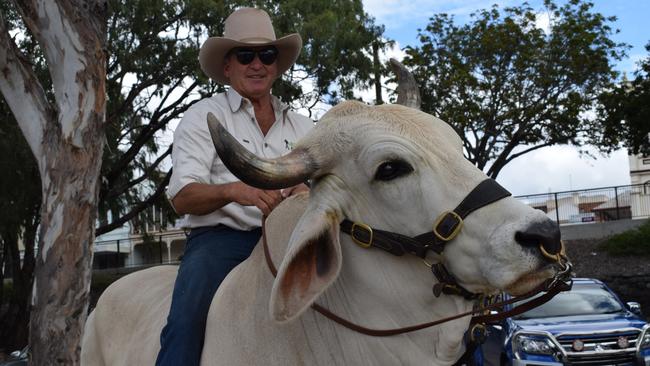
(588, 325)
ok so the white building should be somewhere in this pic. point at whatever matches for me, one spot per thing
(640, 179)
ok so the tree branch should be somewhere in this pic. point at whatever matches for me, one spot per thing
(23, 92)
(55, 32)
(115, 192)
(136, 209)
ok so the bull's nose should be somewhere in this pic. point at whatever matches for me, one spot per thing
(545, 233)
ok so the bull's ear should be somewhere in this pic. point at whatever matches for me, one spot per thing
(312, 263)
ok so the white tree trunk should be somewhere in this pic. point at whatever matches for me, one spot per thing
(67, 139)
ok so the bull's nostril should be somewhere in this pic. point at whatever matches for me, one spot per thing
(526, 240)
(545, 234)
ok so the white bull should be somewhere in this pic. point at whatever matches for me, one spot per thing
(390, 167)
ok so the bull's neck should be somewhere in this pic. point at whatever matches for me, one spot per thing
(378, 290)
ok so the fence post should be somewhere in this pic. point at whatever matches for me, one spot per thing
(117, 264)
(618, 211)
(160, 247)
(557, 210)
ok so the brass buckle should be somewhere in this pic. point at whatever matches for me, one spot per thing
(367, 228)
(456, 230)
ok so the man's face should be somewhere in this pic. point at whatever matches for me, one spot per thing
(253, 80)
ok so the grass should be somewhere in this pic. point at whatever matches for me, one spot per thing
(635, 242)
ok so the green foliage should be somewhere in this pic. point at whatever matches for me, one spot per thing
(626, 111)
(507, 86)
(632, 242)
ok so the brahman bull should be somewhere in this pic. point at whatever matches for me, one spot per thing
(388, 167)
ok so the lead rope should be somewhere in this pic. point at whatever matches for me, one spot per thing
(551, 289)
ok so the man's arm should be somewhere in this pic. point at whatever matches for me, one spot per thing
(201, 199)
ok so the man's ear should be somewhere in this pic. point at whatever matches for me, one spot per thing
(226, 67)
(312, 263)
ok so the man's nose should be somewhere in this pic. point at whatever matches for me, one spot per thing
(256, 63)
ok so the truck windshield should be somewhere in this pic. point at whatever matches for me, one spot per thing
(580, 300)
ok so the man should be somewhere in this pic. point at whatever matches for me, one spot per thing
(223, 214)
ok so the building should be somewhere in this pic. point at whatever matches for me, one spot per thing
(151, 241)
(640, 180)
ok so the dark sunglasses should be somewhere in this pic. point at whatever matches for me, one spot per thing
(267, 55)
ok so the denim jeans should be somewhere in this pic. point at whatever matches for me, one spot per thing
(210, 254)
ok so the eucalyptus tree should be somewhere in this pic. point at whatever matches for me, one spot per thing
(119, 73)
(65, 135)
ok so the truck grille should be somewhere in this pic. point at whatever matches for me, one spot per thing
(600, 349)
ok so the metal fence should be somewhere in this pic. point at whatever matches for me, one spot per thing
(166, 242)
(593, 205)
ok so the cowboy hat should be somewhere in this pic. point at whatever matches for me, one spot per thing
(247, 27)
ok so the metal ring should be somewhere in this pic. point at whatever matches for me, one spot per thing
(556, 257)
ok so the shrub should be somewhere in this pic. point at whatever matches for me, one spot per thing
(631, 242)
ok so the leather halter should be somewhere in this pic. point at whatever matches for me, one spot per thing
(445, 229)
(561, 282)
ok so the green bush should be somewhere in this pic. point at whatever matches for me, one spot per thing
(631, 242)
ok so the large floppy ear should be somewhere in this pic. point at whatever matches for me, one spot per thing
(312, 263)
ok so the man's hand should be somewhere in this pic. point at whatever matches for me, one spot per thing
(202, 199)
(246, 195)
(294, 190)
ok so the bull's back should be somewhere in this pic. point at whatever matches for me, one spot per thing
(124, 328)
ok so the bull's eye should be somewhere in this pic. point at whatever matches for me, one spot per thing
(390, 170)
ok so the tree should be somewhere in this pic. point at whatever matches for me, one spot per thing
(509, 87)
(152, 77)
(20, 204)
(626, 112)
(66, 138)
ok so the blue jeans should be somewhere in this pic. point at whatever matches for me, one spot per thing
(210, 254)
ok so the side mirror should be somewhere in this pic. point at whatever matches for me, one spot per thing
(634, 307)
(15, 354)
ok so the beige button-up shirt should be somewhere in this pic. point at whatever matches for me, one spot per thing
(195, 159)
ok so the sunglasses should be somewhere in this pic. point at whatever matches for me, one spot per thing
(267, 55)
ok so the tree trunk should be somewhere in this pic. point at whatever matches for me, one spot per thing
(67, 140)
(64, 263)
(376, 66)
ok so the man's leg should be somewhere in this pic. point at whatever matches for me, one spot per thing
(210, 254)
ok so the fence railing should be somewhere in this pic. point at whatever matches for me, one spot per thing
(593, 205)
(567, 208)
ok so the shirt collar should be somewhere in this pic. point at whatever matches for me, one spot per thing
(235, 100)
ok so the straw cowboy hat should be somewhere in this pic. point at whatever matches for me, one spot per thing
(247, 27)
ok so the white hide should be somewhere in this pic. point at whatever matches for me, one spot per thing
(256, 320)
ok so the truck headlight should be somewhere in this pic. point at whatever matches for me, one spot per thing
(534, 344)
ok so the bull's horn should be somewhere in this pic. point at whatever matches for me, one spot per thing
(408, 93)
(286, 171)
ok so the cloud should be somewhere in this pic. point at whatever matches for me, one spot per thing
(562, 168)
(407, 13)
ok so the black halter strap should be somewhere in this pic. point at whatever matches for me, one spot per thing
(446, 228)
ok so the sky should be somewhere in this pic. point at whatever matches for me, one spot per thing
(551, 169)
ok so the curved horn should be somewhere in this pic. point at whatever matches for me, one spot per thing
(408, 93)
(286, 171)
